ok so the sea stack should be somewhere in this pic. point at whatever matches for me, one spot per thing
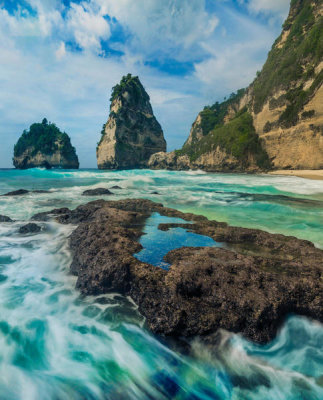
(44, 146)
(132, 133)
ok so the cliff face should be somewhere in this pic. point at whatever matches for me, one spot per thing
(233, 146)
(132, 133)
(44, 145)
(286, 98)
(284, 102)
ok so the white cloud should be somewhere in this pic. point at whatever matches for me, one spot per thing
(233, 62)
(87, 26)
(162, 27)
(61, 51)
(229, 71)
(72, 89)
(42, 76)
(279, 7)
(21, 25)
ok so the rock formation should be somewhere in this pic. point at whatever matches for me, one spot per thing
(5, 218)
(97, 192)
(249, 286)
(284, 106)
(30, 228)
(44, 145)
(22, 192)
(132, 133)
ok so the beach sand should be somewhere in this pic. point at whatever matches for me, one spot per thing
(316, 174)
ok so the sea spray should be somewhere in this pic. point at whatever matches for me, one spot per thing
(288, 205)
(55, 344)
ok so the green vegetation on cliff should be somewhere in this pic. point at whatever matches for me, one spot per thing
(292, 61)
(132, 85)
(238, 137)
(45, 138)
(213, 116)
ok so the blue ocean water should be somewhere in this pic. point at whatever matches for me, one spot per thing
(157, 243)
(55, 344)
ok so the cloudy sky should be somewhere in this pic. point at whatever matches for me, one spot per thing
(59, 60)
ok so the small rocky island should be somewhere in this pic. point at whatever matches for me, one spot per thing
(44, 146)
(132, 133)
(248, 286)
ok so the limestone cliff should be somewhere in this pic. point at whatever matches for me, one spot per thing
(284, 102)
(286, 99)
(44, 145)
(132, 133)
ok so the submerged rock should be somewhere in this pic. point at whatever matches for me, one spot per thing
(18, 192)
(4, 218)
(250, 286)
(45, 146)
(116, 187)
(96, 192)
(21, 192)
(30, 228)
(132, 133)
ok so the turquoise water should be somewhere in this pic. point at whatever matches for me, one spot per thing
(157, 243)
(56, 345)
(289, 205)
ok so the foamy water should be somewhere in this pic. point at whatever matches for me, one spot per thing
(55, 344)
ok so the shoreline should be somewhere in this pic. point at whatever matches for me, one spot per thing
(314, 174)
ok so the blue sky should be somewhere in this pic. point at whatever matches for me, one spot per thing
(60, 59)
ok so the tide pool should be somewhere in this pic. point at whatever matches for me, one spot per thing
(157, 243)
(56, 344)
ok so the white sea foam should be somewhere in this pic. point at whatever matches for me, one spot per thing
(55, 344)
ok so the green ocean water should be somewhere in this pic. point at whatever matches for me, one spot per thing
(56, 345)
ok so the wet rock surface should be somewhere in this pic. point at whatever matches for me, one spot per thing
(30, 228)
(18, 192)
(97, 192)
(4, 218)
(250, 286)
(21, 192)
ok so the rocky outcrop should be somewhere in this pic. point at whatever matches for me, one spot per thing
(29, 228)
(285, 102)
(21, 192)
(40, 160)
(248, 286)
(230, 147)
(96, 192)
(45, 146)
(217, 160)
(132, 133)
(172, 160)
(5, 218)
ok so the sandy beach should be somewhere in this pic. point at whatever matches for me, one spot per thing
(302, 173)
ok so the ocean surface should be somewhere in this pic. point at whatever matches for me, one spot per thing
(57, 345)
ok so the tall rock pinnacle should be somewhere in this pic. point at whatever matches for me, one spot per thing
(132, 133)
